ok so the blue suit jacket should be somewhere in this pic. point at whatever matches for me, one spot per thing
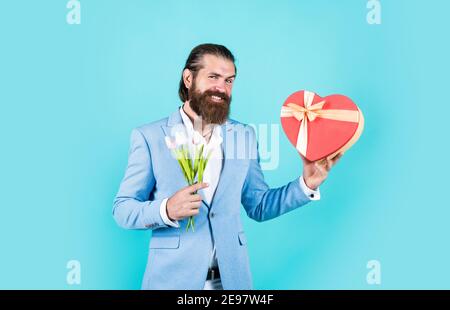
(178, 259)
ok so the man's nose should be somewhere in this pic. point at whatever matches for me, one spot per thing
(220, 87)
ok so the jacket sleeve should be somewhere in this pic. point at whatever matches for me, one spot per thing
(132, 208)
(261, 202)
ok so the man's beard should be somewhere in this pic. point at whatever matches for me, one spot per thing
(210, 111)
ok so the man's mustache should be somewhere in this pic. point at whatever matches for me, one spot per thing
(221, 95)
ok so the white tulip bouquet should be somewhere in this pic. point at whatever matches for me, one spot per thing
(190, 156)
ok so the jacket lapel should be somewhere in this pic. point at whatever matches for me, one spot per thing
(227, 151)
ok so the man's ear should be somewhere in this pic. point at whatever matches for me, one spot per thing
(187, 78)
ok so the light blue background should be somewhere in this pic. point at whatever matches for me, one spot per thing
(70, 95)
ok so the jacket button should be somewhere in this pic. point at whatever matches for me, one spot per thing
(212, 214)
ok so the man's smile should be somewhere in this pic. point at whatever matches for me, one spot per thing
(216, 98)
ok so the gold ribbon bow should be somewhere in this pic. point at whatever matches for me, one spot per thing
(310, 112)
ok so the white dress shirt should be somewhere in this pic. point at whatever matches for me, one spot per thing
(212, 171)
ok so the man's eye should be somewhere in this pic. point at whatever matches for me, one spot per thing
(230, 81)
(213, 77)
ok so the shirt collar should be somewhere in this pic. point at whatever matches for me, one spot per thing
(186, 120)
(190, 127)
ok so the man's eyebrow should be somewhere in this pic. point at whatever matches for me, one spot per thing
(220, 75)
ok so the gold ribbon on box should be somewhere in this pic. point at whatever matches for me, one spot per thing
(310, 112)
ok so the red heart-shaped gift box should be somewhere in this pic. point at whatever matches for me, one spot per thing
(321, 127)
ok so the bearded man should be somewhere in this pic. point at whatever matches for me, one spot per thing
(153, 194)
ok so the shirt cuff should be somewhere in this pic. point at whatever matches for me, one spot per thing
(311, 194)
(165, 218)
